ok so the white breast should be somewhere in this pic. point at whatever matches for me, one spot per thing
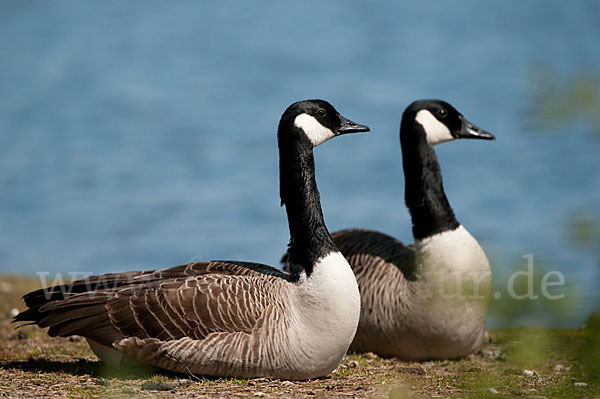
(328, 310)
(454, 287)
(451, 252)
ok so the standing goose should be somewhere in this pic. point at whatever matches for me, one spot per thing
(224, 318)
(427, 300)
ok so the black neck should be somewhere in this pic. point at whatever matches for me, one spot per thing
(309, 238)
(424, 192)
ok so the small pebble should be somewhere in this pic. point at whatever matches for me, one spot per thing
(581, 384)
(14, 312)
(260, 394)
(353, 364)
(102, 382)
(559, 368)
(530, 373)
(491, 353)
(5, 288)
(493, 390)
(256, 381)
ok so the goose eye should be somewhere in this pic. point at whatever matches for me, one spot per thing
(442, 113)
(321, 113)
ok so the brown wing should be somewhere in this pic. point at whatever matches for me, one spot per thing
(190, 300)
(369, 249)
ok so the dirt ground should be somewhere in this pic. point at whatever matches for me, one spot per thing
(528, 363)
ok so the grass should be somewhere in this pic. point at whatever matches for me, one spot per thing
(528, 363)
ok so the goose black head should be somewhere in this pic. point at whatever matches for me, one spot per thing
(441, 122)
(314, 122)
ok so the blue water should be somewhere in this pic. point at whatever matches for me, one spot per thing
(141, 134)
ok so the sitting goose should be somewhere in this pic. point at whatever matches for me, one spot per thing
(224, 318)
(427, 300)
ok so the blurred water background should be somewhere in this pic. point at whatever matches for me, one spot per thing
(141, 134)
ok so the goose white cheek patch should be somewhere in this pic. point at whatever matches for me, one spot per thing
(435, 130)
(316, 133)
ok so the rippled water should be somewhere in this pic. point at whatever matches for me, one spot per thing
(136, 135)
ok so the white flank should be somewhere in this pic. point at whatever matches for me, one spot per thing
(435, 130)
(453, 292)
(316, 132)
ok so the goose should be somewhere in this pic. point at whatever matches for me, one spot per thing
(229, 318)
(427, 300)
